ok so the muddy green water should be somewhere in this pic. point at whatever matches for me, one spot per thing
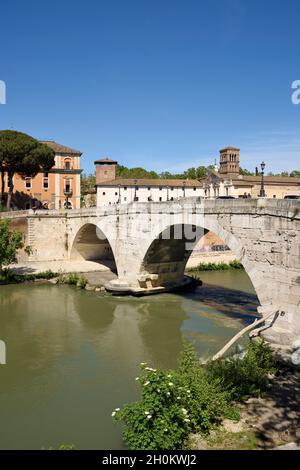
(72, 355)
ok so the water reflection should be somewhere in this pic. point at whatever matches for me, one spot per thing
(72, 355)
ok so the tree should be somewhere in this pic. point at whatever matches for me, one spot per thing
(10, 242)
(245, 172)
(22, 154)
(295, 174)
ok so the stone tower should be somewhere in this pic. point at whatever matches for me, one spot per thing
(105, 170)
(230, 161)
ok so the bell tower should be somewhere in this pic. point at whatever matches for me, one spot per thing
(230, 161)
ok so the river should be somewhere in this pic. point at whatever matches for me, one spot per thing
(73, 355)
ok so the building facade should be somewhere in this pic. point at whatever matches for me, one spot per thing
(113, 190)
(227, 180)
(57, 189)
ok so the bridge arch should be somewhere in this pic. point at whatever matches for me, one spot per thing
(91, 244)
(165, 257)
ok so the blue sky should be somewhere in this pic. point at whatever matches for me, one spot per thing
(162, 84)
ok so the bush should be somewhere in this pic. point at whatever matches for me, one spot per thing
(245, 377)
(192, 398)
(10, 242)
(173, 404)
(82, 282)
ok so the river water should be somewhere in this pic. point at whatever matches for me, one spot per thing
(73, 355)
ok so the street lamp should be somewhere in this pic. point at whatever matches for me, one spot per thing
(262, 188)
(119, 199)
(184, 183)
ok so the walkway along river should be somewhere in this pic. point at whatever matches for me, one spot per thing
(73, 355)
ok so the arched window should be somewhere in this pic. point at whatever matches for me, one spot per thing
(67, 164)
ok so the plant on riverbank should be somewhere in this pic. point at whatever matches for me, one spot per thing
(192, 399)
(10, 242)
(247, 376)
(9, 277)
(173, 404)
(73, 279)
(232, 265)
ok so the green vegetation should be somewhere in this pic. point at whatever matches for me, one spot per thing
(217, 267)
(10, 242)
(192, 398)
(22, 154)
(9, 277)
(73, 279)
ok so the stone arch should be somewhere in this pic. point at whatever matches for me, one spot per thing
(91, 244)
(164, 261)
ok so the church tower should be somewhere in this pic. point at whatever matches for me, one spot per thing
(230, 161)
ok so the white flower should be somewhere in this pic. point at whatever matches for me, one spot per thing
(187, 420)
(169, 376)
(171, 384)
(117, 409)
(146, 383)
(178, 398)
(166, 429)
(149, 416)
(184, 411)
(158, 390)
(143, 363)
(188, 391)
(137, 378)
(113, 414)
(168, 393)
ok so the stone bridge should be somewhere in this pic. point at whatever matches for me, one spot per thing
(150, 244)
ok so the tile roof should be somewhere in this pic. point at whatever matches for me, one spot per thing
(105, 160)
(152, 182)
(59, 148)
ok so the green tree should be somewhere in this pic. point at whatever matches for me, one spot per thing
(87, 182)
(10, 242)
(295, 174)
(245, 172)
(22, 154)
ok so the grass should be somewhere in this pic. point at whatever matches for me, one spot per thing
(222, 439)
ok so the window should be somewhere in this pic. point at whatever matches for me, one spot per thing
(67, 185)
(172, 199)
(160, 199)
(172, 189)
(67, 163)
(194, 189)
(28, 183)
(105, 172)
(160, 188)
(125, 188)
(46, 175)
(116, 194)
(27, 205)
(125, 199)
(149, 189)
(103, 194)
(46, 183)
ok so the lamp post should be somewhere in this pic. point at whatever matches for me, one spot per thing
(167, 193)
(184, 183)
(119, 198)
(262, 187)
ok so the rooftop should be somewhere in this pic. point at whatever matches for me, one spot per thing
(152, 182)
(105, 160)
(59, 148)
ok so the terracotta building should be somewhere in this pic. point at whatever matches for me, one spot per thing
(56, 189)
